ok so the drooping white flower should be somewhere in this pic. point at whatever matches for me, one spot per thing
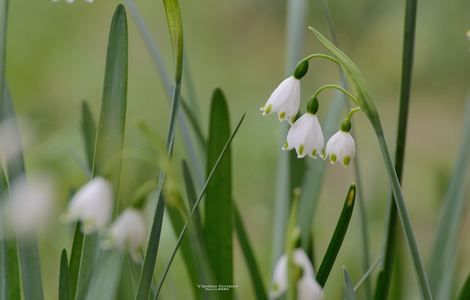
(128, 232)
(280, 271)
(341, 147)
(306, 136)
(92, 205)
(30, 204)
(285, 100)
(309, 289)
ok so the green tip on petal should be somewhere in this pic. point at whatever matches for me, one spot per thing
(282, 115)
(266, 109)
(333, 158)
(285, 146)
(314, 152)
(301, 149)
(346, 161)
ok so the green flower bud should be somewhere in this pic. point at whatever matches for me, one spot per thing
(312, 106)
(301, 69)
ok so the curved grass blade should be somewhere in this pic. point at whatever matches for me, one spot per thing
(176, 35)
(199, 198)
(365, 101)
(444, 253)
(348, 287)
(407, 67)
(338, 236)
(75, 257)
(367, 274)
(64, 279)
(110, 136)
(218, 225)
(191, 195)
(464, 293)
(250, 259)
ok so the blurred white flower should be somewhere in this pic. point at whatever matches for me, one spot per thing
(30, 205)
(280, 272)
(128, 232)
(309, 289)
(285, 100)
(92, 205)
(341, 147)
(72, 1)
(10, 144)
(306, 136)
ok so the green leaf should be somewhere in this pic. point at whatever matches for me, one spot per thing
(75, 256)
(106, 278)
(250, 259)
(348, 287)
(110, 135)
(338, 236)
(196, 205)
(89, 133)
(176, 36)
(465, 291)
(64, 279)
(191, 196)
(218, 209)
(367, 274)
(444, 253)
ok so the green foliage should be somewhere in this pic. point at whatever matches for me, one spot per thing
(348, 287)
(64, 279)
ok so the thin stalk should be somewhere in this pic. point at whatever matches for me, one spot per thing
(335, 87)
(405, 218)
(407, 66)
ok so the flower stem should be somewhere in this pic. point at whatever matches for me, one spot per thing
(404, 217)
(336, 87)
(319, 55)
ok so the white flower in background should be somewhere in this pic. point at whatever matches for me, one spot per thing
(128, 232)
(72, 1)
(285, 100)
(30, 204)
(306, 136)
(341, 147)
(280, 275)
(92, 205)
(10, 143)
(309, 289)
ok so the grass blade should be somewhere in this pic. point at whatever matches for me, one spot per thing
(64, 279)
(110, 135)
(196, 205)
(444, 252)
(75, 257)
(176, 35)
(407, 67)
(338, 236)
(218, 208)
(348, 287)
(106, 279)
(464, 293)
(250, 259)
(367, 274)
(191, 195)
(89, 133)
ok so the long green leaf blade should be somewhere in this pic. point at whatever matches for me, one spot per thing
(218, 214)
(444, 253)
(250, 259)
(110, 136)
(176, 35)
(465, 291)
(75, 256)
(338, 236)
(196, 205)
(106, 277)
(89, 133)
(64, 279)
(348, 286)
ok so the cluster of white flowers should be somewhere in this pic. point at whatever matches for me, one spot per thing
(307, 287)
(92, 205)
(305, 134)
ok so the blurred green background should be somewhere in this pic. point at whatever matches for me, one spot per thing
(56, 56)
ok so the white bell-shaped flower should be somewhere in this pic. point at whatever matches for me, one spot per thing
(128, 232)
(306, 136)
(341, 147)
(30, 205)
(280, 271)
(92, 205)
(309, 289)
(285, 100)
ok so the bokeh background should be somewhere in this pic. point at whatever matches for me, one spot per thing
(55, 60)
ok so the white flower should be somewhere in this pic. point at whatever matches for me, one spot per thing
(285, 100)
(280, 271)
(92, 205)
(306, 136)
(128, 232)
(341, 147)
(309, 289)
(72, 1)
(30, 204)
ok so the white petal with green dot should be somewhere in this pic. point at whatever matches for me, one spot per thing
(305, 136)
(285, 100)
(341, 148)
